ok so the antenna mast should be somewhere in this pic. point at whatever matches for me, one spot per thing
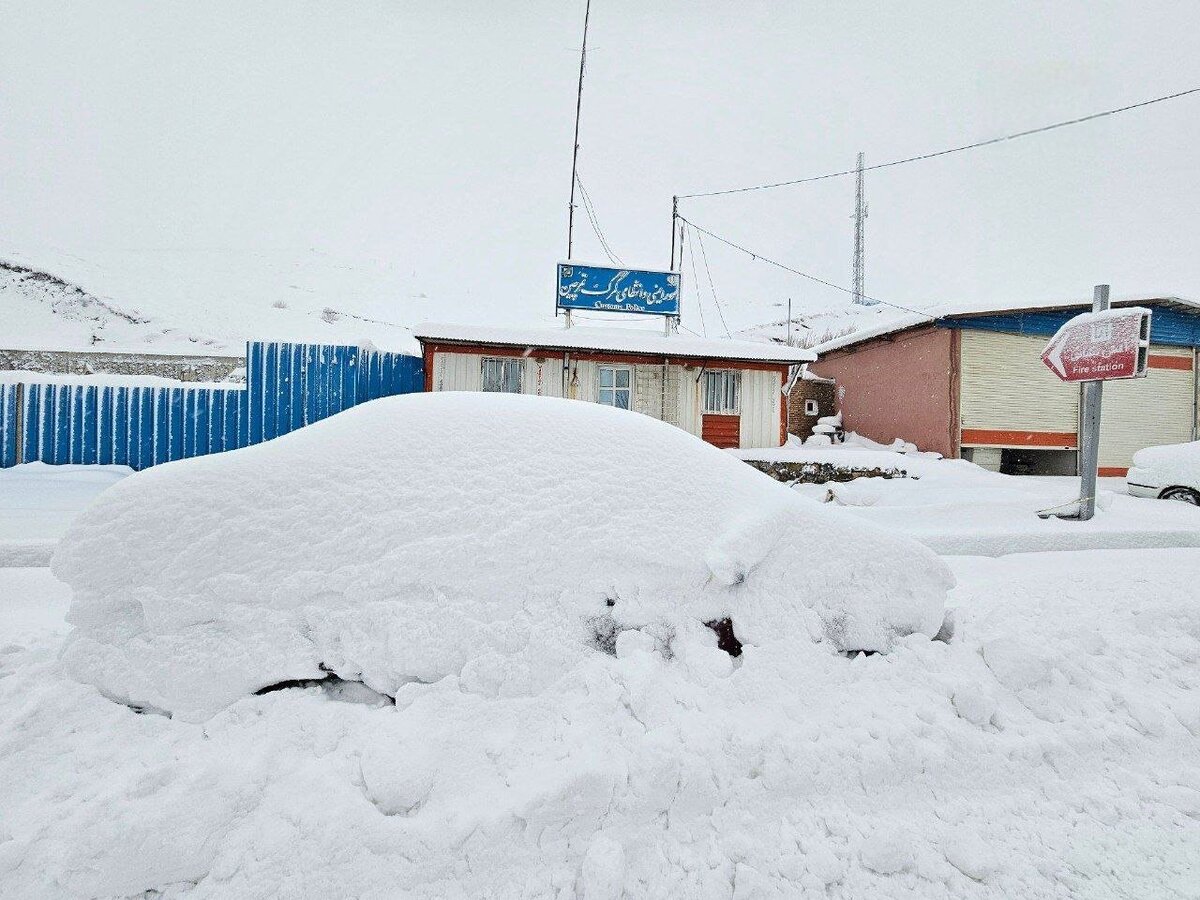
(860, 217)
(575, 151)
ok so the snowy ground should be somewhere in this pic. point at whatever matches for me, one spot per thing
(1051, 751)
(1051, 748)
(956, 507)
(38, 502)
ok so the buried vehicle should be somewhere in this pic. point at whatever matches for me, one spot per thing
(1167, 472)
(493, 538)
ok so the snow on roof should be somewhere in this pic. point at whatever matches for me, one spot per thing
(964, 309)
(624, 340)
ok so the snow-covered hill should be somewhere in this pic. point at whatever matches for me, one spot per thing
(200, 302)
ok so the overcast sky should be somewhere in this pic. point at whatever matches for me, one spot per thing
(433, 140)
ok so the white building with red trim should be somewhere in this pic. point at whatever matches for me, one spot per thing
(728, 392)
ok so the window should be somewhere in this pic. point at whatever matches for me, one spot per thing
(502, 375)
(721, 390)
(615, 386)
(811, 408)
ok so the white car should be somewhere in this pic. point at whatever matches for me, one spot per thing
(1170, 472)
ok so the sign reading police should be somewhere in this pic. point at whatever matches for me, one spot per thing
(618, 290)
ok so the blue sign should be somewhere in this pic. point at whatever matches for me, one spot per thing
(618, 290)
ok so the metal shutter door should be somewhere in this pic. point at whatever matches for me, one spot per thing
(1009, 397)
(1142, 412)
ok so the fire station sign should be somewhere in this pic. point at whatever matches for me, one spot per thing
(618, 290)
(1101, 346)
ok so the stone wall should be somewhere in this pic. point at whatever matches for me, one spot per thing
(178, 367)
(819, 472)
(822, 392)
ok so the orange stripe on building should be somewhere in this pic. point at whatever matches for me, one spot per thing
(1112, 471)
(1000, 438)
(1179, 363)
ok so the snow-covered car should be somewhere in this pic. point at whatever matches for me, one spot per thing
(1169, 472)
(497, 539)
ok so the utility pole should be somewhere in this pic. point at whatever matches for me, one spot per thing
(860, 223)
(1089, 431)
(674, 228)
(789, 324)
(587, 13)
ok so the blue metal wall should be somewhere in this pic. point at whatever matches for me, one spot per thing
(1168, 326)
(128, 426)
(8, 425)
(287, 386)
(293, 385)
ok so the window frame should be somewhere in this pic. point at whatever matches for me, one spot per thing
(728, 377)
(811, 407)
(505, 362)
(614, 389)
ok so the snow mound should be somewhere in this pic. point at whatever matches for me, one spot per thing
(498, 539)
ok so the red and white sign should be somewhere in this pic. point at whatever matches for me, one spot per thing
(1101, 346)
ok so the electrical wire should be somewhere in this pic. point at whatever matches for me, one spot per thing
(711, 285)
(794, 271)
(696, 278)
(591, 214)
(590, 209)
(973, 146)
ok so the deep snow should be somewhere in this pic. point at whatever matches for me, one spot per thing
(38, 502)
(485, 536)
(1049, 750)
(956, 507)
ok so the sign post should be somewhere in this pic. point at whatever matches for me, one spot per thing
(1089, 426)
(1092, 348)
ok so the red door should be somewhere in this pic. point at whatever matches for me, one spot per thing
(721, 431)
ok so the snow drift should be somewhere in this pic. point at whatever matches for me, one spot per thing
(495, 538)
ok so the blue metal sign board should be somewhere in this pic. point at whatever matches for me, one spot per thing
(618, 290)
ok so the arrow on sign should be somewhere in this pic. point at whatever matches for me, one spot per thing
(1052, 356)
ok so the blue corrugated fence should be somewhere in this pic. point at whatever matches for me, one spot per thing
(288, 386)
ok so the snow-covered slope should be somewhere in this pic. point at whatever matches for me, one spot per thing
(197, 302)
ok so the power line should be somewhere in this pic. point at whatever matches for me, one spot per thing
(712, 285)
(787, 268)
(899, 162)
(699, 295)
(590, 209)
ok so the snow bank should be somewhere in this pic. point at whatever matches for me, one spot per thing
(498, 540)
(1042, 763)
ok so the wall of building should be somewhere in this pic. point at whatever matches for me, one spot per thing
(668, 390)
(903, 387)
(761, 409)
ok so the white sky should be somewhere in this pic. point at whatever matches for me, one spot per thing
(429, 144)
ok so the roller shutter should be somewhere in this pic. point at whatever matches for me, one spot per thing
(1008, 396)
(1142, 412)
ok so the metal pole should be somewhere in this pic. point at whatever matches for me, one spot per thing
(789, 332)
(674, 226)
(1089, 427)
(575, 151)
